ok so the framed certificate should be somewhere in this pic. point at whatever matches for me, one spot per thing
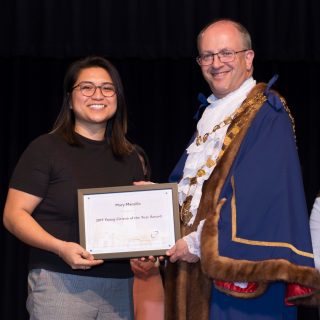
(129, 221)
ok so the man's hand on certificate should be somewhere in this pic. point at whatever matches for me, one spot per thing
(181, 252)
(76, 256)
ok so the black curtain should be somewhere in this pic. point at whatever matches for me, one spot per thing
(153, 45)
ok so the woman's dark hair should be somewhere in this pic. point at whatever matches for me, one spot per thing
(116, 126)
(144, 161)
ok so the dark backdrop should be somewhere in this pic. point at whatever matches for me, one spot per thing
(153, 44)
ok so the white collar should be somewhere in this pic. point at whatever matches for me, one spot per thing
(218, 109)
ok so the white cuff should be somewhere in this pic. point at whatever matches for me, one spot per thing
(193, 240)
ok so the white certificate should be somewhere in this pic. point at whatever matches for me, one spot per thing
(127, 222)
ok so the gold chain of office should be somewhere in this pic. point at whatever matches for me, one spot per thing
(248, 106)
(202, 139)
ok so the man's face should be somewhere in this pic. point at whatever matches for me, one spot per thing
(226, 77)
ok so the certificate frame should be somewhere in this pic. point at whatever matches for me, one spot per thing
(97, 226)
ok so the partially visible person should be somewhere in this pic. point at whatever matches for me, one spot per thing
(87, 148)
(315, 230)
(148, 291)
(246, 249)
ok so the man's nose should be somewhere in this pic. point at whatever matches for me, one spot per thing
(216, 61)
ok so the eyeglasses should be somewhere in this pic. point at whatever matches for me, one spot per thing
(224, 56)
(88, 89)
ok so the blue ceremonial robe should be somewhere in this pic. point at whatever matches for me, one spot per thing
(270, 208)
(270, 219)
(269, 306)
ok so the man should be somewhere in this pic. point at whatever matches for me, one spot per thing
(246, 251)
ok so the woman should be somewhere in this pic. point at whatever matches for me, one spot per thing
(87, 148)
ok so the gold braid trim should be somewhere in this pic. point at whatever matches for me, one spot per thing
(286, 107)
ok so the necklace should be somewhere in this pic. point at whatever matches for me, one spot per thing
(249, 105)
(202, 139)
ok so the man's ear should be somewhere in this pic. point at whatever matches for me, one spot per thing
(249, 56)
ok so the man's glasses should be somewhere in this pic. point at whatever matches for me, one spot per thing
(206, 59)
(88, 89)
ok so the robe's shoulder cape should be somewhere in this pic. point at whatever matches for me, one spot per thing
(256, 227)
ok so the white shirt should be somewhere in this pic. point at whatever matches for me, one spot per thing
(215, 113)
